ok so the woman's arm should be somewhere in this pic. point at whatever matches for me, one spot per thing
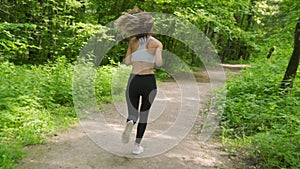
(128, 55)
(158, 53)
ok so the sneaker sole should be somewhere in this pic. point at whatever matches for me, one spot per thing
(139, 152)
(127, 132)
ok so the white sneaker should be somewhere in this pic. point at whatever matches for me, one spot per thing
(137, 150)
(127, 132)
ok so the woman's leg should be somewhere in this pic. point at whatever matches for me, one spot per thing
(132, 99)
(147, 99)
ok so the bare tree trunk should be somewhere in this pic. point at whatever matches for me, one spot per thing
(226, 51)
(242, 21)
(237, 49)
(291, 70)
(41, 2)
(123, 6)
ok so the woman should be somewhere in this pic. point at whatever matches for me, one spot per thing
(143, 53)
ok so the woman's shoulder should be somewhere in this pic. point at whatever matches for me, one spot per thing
(155, 42)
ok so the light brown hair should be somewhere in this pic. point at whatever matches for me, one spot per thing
(135, 23)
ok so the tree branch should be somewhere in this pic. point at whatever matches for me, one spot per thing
(1, 10)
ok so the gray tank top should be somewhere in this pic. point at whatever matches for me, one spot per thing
(141, 54)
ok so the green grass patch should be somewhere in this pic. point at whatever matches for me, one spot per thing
(36, 102)
(258, 113)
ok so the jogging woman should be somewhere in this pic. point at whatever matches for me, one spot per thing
(143, 53)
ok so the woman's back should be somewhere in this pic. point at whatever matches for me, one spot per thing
(140, 58)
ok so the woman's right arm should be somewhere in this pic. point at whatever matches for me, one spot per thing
(128, 55)
(158, 53)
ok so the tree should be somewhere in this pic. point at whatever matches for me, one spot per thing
(291, 70)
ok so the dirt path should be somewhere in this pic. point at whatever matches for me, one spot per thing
(75, 149)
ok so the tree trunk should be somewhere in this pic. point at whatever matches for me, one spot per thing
(237, 49)
(123, 6)
(226, 51)
(291, 70)
(242, 21)
(41, 2)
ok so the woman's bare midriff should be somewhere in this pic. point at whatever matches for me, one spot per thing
(142, 68)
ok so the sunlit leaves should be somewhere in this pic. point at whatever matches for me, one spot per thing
(255, 110)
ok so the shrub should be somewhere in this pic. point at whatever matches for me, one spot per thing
(37, 101)
(257, 110)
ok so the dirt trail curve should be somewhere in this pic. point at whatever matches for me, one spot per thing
(74, 149)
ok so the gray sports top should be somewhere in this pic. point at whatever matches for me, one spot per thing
(141, 54)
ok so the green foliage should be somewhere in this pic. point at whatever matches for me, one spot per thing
(36, 102)
(103, 83)
(24, 43)
(162, 75)
(14, 45)
(60, 28)
(257, 110)
(37, 33)
(278, 149)
(10, 154)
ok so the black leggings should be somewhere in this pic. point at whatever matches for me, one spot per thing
(143, 86)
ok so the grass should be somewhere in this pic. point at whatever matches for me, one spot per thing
(259, 115)
(36, 102)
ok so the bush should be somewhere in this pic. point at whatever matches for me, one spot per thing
(36, 102)
(275, 150)
(256, 109)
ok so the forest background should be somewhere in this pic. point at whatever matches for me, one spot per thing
(41, 39)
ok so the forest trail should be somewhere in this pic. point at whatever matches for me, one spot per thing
(75, 149)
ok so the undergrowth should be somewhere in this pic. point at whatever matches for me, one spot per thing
(36, 103)
(259, 114)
